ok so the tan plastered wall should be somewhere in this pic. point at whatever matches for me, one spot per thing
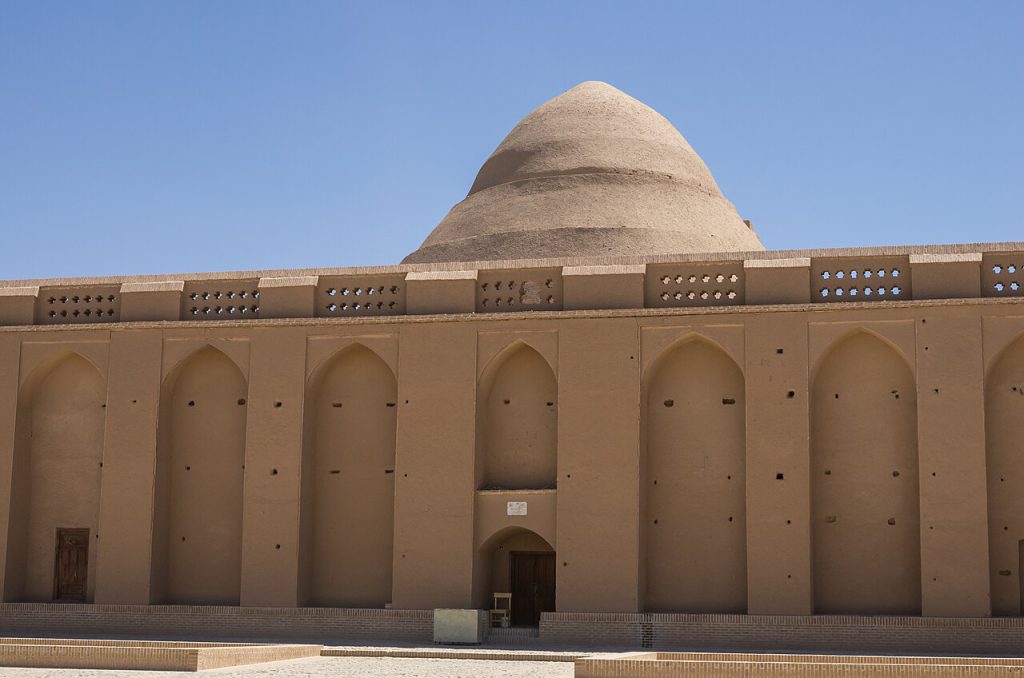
(612, 371)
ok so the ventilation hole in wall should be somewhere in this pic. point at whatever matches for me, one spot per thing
(334, 471)
(508, 402)
(728, 401)
(389, 404)
(789, 522)
(791, 394)
(933, 474)
(273, 471)
(891, 521)
(830, 519)
(188, 468)
(931, 527)
(779, 476)
(335, 404)
(278, 404)
(669, 403)
(895, 474)
(837, 396)
(655, 482)
(1004, 573)
(789, 576)
(827, 472)
(568, 475)
(1005, 528)
(935, 390)
(388, 471)
(728, 477)
(183, 539)
(241, 401)
(565, 564)
(277, 547)
(191, 403)
(655, 521)
(101, 464)
(730, 519)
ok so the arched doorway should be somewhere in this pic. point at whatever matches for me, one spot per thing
(520, 562)
(56, 486)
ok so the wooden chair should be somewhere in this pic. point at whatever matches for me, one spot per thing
(501, 610)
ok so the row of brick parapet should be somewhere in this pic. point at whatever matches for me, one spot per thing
(826, 276)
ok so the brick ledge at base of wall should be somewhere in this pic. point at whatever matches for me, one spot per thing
(217, 622)
(998, 636)
(886, 635)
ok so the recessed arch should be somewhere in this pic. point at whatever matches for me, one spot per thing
(1004, 445)
(694, 506)
(669, 351)
(57, 472)
(517, 421)
(864, 469)
(197, 537)
(494, 564)
(349, 481)
(855, 332)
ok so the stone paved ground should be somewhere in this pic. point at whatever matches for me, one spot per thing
(337, 667)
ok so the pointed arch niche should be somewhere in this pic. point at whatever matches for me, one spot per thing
(1004, 435)
(197, 536)
(57, 470)
(348, 479)
(694, 470)
(865, 500)
(517, 422)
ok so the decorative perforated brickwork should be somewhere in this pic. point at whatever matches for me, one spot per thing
(532, 289)
(1002, 275)
(78, 305)
(694, 284)
(860, 279)
(220, 300)
(353, 296)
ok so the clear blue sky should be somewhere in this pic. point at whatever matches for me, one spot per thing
(154, 137)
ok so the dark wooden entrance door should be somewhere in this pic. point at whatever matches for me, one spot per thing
(533, 586)
(71, 570)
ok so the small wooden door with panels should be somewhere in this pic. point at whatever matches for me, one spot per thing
(533, 586)
(71, 568)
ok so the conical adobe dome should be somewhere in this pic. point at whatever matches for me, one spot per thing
(592, 172)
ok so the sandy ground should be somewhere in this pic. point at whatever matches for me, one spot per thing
(338, 667)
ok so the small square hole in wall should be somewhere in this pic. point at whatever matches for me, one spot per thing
(779, 476)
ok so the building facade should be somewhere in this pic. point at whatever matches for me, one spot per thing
(591, 387)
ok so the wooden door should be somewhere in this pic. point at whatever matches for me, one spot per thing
(533, 586)
(71, 569)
